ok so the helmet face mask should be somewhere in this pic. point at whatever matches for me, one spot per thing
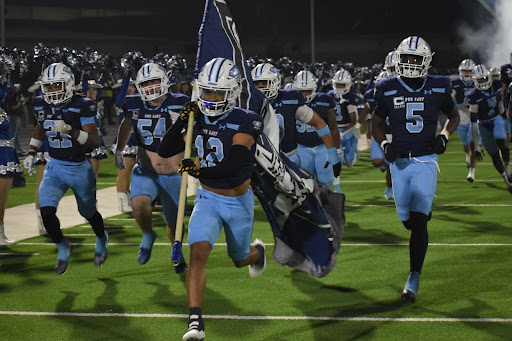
(152, 82)
(57, 84)
(305, 81)
(267, 79)
(482, 77)
(466, 70)
(414, 57)
(219, 86)
(342, 83)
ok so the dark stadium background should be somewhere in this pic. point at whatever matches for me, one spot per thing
(361, 31)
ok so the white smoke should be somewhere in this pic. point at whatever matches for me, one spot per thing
(493, 41)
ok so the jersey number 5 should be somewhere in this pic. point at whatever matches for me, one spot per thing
(416, 125)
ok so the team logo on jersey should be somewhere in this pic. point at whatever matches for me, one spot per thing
(399, 102)
(135, 115)
(92, 107)
(222, 127)
(256, 125)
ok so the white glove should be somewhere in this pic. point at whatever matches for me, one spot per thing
(357, 130)
(28, 163)
(61, 126)
(119, 159)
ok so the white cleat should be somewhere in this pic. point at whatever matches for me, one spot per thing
(255, 270)
(194, 335)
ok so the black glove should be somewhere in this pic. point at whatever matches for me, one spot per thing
(189, 166)
(479, 155)
(439, 146)
(189, 107)
(391, 152)
(336, 169)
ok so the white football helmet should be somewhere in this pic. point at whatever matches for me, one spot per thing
(305, 81)
(342, 82)
(495, 73)
(414, 57)
(57, 75)
(381, 76)
(269, 73)
(466, 70)
(482, 77)
(151, 91)
(391, 63)
(219, 85)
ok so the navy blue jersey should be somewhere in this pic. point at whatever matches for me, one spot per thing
(487, 101)
(307, 135)
(213, 140)
(341, 107)
(413, 114)
(77, 112)
(151, 123)
(285, 106)
(461, 89)
(369, 98)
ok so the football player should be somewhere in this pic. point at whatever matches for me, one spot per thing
(149, 114)
(486, 109)
(126, 88)
(376, 153)
(346, 115)
(317, 153)
(68, 125)
(225, 139)
(460, 87)
(291, 108)
(413, 101)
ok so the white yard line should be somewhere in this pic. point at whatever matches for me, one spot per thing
(255, 317)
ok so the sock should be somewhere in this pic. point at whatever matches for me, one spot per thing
(63, 248)
(96, 222)
(471, 173)
(148, 240)
(418, 243)
(195, 319)
(467, 158)
(51, 223)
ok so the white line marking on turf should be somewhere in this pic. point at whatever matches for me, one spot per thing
(19, 254)
(272, 244)
(249, 317)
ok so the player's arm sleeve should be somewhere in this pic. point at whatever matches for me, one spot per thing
(237, 157)
(173, 143)
(122, 91)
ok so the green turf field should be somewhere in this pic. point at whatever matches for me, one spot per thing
(464, 292)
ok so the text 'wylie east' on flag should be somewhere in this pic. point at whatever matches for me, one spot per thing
(302, 218)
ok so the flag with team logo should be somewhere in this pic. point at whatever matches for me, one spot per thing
(306, 218)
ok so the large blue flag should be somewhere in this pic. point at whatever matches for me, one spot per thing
(307, 219)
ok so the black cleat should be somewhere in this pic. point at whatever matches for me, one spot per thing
(256, 269)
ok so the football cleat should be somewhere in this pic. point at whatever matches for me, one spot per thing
(256, 269)
(144, 251)
(195, 329)
(100, 255)
(64, 249)
(388, 193)
(182, 266)
(411, 287)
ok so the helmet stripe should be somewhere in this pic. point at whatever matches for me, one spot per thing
(214, 72)
(413, 45)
